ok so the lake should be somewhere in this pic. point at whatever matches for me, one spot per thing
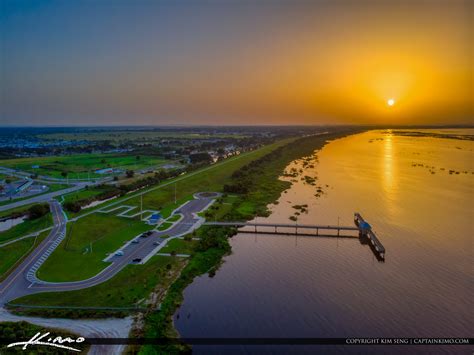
(416, 192)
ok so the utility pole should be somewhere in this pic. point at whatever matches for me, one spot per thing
(91, 247)
(175, 193)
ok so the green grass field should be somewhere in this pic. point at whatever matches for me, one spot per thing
(11, 254)
(208, 180)
(27, 227)
(80, 165)
(179, 246)
(125, 289)
(106, 233)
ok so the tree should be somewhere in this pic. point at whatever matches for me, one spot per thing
(200, 157)
(129, 173)
(64, 174)
(37, 211)
(138, 157)
(72, 206)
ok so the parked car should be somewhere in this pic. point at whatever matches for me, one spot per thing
(156, 243)
(119, 253)
(137, 260)
(135, 241)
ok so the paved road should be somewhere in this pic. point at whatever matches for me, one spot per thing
(43, 197)
(17, 284)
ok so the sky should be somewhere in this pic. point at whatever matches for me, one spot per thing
(152, 62)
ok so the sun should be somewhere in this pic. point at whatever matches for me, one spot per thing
(390, 102)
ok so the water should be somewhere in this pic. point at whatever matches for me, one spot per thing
(11, 222)
(278, 286)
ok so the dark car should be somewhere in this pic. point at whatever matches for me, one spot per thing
(144, 235)
(137, 260)
(149, 233)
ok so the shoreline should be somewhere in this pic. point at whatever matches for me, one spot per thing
(175, 299)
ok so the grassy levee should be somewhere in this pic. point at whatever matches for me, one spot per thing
(73, 260)
(209, 178)
(26, 227)
(82, 194)
(12, 254)
(263, 187)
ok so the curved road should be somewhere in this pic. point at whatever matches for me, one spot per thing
(19, 282)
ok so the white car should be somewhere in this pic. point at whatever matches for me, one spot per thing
(119, 253)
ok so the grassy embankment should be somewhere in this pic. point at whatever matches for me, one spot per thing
(12, 332)
(180, 246)
(80, 166)
(104, 233)
(14, 253)
(26, 227)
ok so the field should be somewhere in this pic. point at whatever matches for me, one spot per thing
(27, 227)
(13, 253)
(81, 166)
(104, 233)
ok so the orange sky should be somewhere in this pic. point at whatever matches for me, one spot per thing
(295, 62)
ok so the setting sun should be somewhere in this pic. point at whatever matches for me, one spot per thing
(390, 102)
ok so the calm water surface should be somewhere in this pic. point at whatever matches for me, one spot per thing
(279, 286)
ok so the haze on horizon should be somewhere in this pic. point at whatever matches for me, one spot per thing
(138, 62)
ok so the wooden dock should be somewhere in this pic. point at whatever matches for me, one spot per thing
(364, 231)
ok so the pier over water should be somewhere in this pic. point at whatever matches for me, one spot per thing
(361, 230)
